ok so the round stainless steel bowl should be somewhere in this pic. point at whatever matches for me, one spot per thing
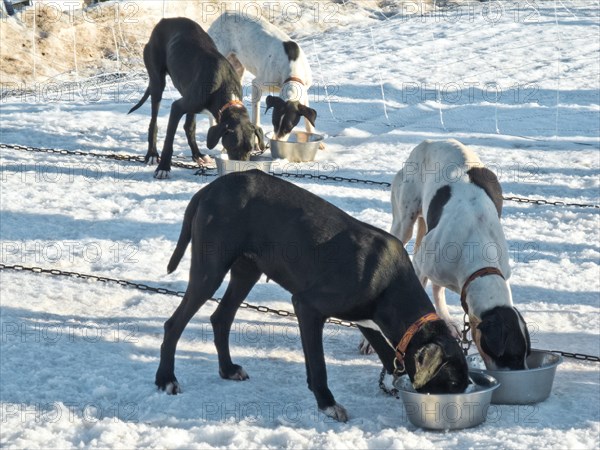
(448, 411)
(300, 146)
(521, 387)
(226, 165)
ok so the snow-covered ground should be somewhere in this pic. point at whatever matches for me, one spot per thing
(519, 82)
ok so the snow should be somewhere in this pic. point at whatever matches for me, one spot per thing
(78, 357)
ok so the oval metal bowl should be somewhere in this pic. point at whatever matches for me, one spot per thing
(448, 411)
(300, 146)
(226, 165)
(522, 387)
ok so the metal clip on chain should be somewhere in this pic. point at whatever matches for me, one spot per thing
(465, 342)
(392, 392)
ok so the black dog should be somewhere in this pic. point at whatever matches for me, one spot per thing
(341, 267)
(206, 81)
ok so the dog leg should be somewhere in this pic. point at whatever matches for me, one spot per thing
(190, 132)
(311, 324)
(421, 231)
(203, 284)
(164, 167)
(439, 297)
(417, 257)
(380, 345)
(165, 374)
(256, 97)
(244, 275)
(157, 89)
(404, 212)
(237, 65)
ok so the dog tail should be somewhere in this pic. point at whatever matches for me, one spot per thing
(186, 233)
(142, 101)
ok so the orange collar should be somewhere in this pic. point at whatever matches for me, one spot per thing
(480, 273)
(296, 79)
(412, 330)
(236, 103)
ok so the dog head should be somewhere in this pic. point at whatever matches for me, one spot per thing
(287, 114)
(502, 339)
(237, 134)
(434, 361)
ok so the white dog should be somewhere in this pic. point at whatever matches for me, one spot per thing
(278, 64)
(460, 244)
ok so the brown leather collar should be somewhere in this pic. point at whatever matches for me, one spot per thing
(408, 335)
(236, 103)
(296, 79)
(480, 273)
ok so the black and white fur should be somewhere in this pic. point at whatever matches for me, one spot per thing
(269, 54)
(458, 203)
(247, 222)
(206, 81)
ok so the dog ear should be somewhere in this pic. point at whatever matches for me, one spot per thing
(215, 133)
(309, 113)
(523, 326)
(493, 336)
(261, 137)
(273, 101)
(428, 360)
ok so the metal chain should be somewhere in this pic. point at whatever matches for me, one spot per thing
(112, 156)
(580, 356)
(208, 172)
(464, 342)
(258, 308)
(310, 176)
(158, 290)
(392, 392)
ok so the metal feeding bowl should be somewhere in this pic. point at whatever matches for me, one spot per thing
(300, 146)
(522, 387)
(226, 165)
(448, 411)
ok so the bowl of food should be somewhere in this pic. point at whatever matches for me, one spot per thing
(448, 411)
(226, 165)
(522, 387)
(300, 146)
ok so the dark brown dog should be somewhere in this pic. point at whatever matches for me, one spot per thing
(206, 81)
(341, 267)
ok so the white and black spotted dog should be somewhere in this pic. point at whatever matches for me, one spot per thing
(460, 244)
(278, 64)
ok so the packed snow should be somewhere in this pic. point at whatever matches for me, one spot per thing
(518, 82)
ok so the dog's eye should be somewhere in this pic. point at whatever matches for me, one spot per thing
(421, 356)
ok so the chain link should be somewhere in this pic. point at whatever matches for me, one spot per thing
(580, 356)
(391, 392)
(258, 308)
(464, 342)
(209, 172)
(158, 290)
(111, 156)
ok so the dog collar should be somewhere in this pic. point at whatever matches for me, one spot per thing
(296, 79)
(408, 335)
(478, 274)
(236, 103)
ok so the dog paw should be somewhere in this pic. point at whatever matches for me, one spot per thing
(364, 348)
(151, 160)
(206, 161)
(322, 146)
(336, 412)
(171, 387)
(236, 373)
(162, 174)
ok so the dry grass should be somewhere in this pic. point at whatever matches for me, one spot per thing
(42, 43)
